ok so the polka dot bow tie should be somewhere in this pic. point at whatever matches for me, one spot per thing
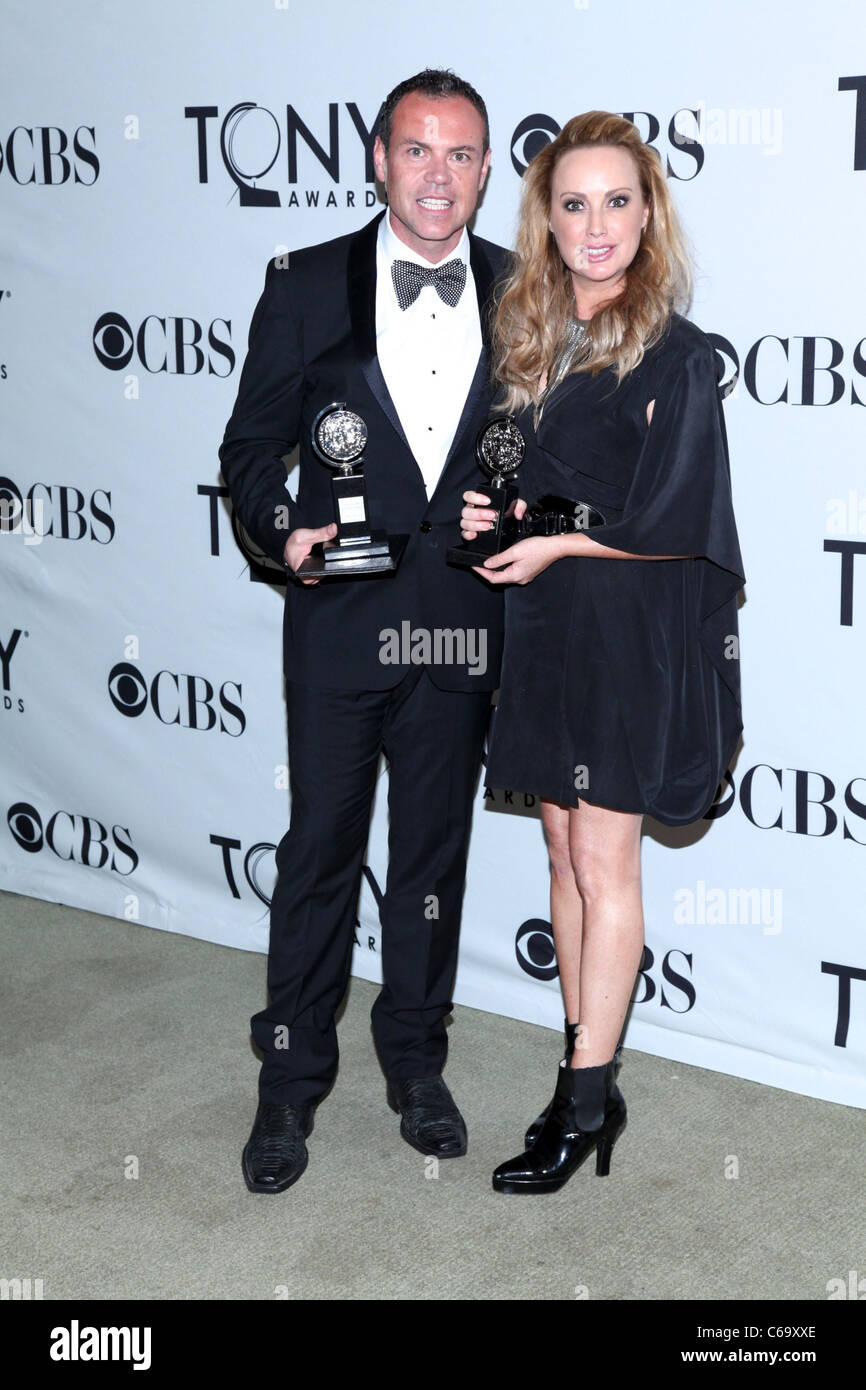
(409, 278)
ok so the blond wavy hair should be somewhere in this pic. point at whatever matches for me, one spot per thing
(535, 305)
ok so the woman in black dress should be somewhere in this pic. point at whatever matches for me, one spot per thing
(620, 681)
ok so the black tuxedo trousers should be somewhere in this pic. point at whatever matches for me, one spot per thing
(432, 741)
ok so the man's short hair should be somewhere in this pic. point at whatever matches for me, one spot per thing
(432, 82)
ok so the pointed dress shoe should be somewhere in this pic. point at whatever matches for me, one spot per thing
(581, 1120)
(430, 1122)
(276, 1154)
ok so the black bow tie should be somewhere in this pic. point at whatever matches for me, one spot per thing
(409, 278)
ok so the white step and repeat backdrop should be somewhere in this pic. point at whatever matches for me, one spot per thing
(152, 157)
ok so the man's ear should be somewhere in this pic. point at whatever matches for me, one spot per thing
(485, 167)
(380, 159)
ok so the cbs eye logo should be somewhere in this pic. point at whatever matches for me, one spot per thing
(190, 701)
(113, 342)
(74, 838)
(128, 689)
(174, 345)
(25, 824)
(535, 950)
(530, 137)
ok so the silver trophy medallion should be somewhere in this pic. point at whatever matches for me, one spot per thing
(500, 448)
(339, 436)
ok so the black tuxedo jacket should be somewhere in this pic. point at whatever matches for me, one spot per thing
(312, 341)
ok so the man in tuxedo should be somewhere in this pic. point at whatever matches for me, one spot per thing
(392, 321)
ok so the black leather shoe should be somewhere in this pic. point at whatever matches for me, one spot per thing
(580, 1121)
(614, 1095)
(276, 1155)
(431, 1122)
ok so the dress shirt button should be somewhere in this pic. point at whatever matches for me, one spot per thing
(425, 527)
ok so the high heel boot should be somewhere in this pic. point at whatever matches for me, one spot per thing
(614, 1094)
(584, 1116)
(534, 1130)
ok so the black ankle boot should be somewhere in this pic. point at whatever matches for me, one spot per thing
(614, 1094)
(583, 1116)
(534, 1130)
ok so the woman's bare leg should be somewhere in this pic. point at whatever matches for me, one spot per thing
(605, 857)
(566, 908)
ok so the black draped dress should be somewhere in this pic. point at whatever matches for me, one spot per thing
(621, 678)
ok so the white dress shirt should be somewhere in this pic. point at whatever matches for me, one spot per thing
(428, 353)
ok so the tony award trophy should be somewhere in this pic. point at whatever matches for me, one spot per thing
(339, 440)
(499, 450)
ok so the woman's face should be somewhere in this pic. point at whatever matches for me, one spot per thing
(597, 214)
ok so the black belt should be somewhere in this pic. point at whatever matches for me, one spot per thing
(557, 516)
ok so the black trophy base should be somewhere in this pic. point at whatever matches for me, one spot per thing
(379, 555)
(486, 546)
(467, 555)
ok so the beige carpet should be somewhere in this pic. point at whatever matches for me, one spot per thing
(126, 1050)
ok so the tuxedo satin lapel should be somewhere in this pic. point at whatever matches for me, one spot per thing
(482, 273)
(376, 382)
(362, 289)
(362, 316)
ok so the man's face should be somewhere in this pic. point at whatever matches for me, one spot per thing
(433, 170)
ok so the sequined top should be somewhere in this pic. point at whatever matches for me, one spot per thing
(576, 342)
